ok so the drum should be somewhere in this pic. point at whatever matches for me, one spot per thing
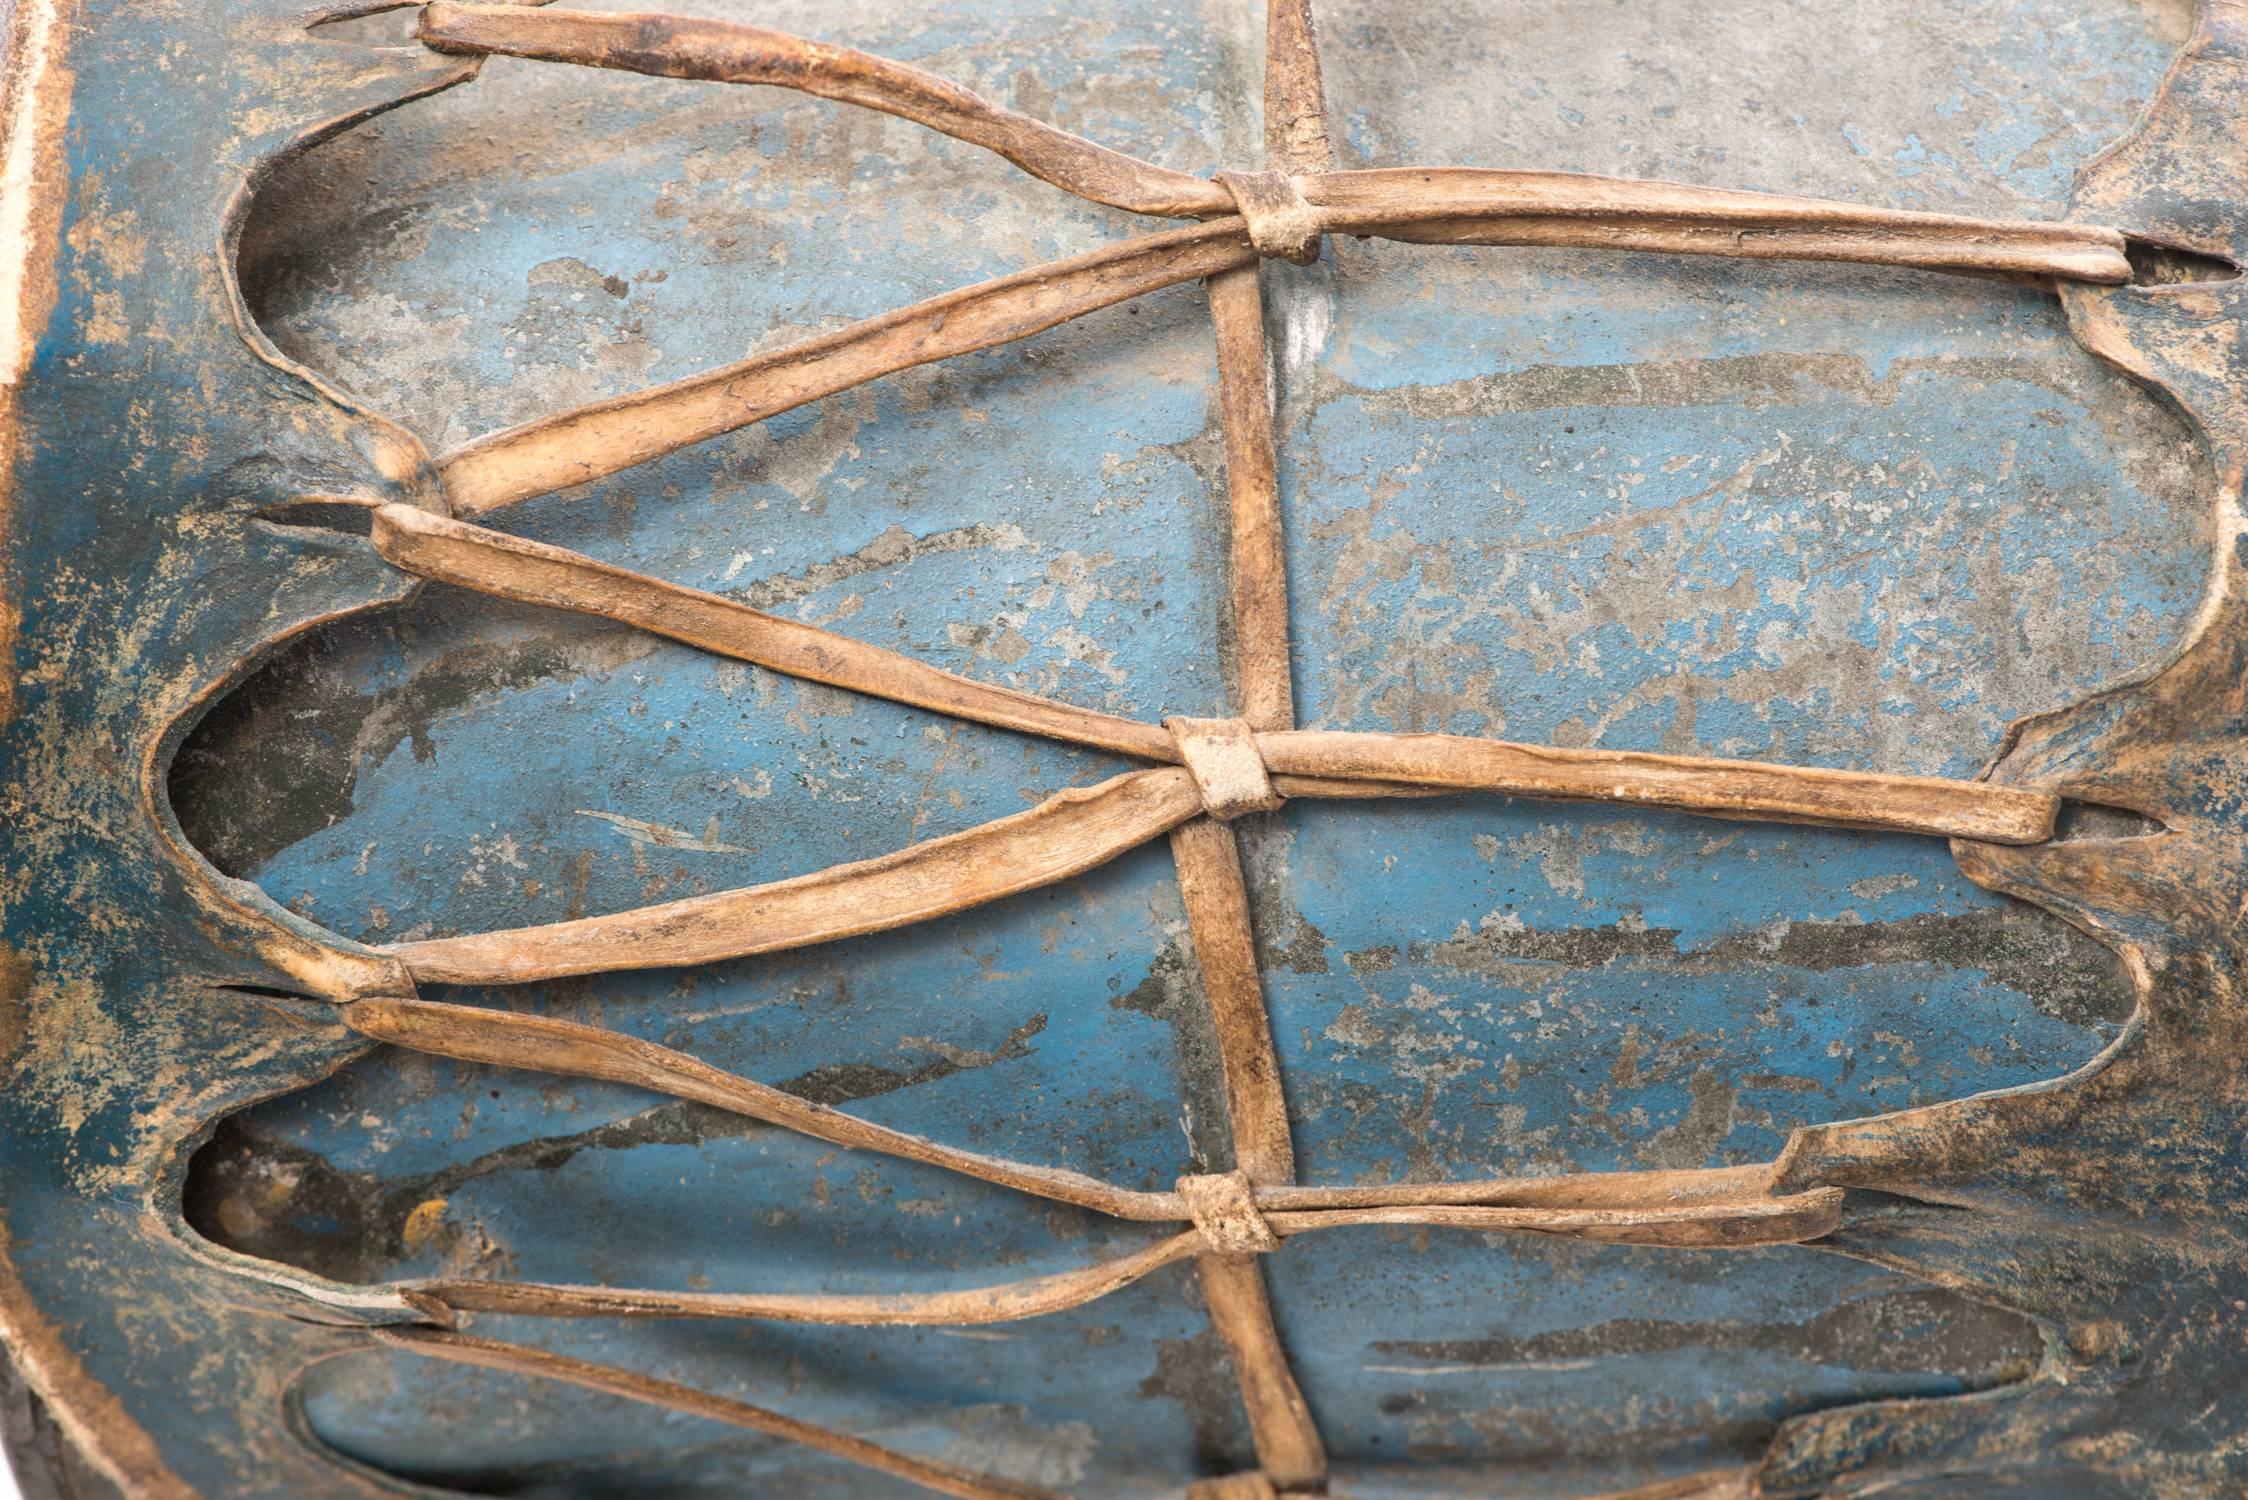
(1386, 749)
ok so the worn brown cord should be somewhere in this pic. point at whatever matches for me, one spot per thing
(1230, 771)
(1205, 852)
(1082, 828)
(728, 52)
(1281, 224)
(944, 1479)
(592, 441)
(1631, 1190)
(1267, 213)
(1748, 1224)
(1228, 768)
(1592, 1201)
(1224, 1208)
(1007, 1302)
(1225, 950)
(1368, 202)
(511, 1039)
(1295, 96)
(1720, 788)
(1289, 1448)
(1788, 1220)
(1213, 770)
(1301, 763)
(432, 546)
(1290, 1451)
(1259, 585)
(1723, 1209)
(1232, 1214)
(1507, 206)
(1068, 834)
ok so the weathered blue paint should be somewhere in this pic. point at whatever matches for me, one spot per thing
(1822, 515)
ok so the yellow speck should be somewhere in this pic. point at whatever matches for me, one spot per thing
(421, 1224)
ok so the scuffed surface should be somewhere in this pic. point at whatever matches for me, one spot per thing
(1841, 517)
(1740, 510)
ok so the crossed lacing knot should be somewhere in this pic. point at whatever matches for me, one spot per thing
(1280, 222)
(1228, 769)
(1225, 1214)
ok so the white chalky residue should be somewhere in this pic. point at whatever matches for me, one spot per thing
(37, 25)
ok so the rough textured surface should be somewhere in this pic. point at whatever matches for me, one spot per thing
(1831, 516)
